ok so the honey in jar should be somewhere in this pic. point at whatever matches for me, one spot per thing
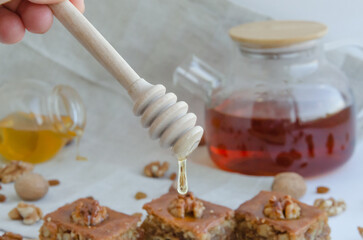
(38, 120)
(21, 140)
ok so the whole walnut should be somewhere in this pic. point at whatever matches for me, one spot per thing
(289, 183)
(31, 187)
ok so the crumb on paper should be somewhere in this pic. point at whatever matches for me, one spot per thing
(331, 206)
(53, 182)
(156, 169)
(140, 195)
(11, 236)
(29, 213)
(10, 172)
(2, 198)
(81, 158)
(322, 190)
(172, 176)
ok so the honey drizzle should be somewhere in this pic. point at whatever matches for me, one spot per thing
(78, 142)
(182, 176)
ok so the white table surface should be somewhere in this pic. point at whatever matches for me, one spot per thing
(114, 184)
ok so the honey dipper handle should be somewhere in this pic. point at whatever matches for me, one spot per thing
(94, 42)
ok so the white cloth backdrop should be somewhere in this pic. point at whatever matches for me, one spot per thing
(154, 36)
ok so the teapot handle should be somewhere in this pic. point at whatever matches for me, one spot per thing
(197, 77)
(335, 45)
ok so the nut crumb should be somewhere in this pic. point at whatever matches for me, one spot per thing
(89, 214)
(156, 169)
(53, 182)
(186, 205)
(140, 195)
(331, 206)
(13, 170)
(172, 176)
(322, 190)
(29, 213)
(282, 208)
(360, 230)
(11, 236)
(2, 198)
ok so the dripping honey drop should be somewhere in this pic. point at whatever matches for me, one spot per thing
(182, 177)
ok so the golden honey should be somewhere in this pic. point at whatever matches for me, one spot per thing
(33, 138)
(182, 176)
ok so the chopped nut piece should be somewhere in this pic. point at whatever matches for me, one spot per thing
(89, 214)
(156, 169)
(360, 230)
(29, 213)
(322, 190)
(140, 195)
(11, 236)
(53, 182)
(289, 183)
(331, 206)
(2, 198)
(15, 215)
(282, 208)
(172, 176)
(13, 170)
(186, 205)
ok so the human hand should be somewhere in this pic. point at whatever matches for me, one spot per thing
(35, 16)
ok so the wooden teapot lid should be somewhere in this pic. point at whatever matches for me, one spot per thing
(274, 34)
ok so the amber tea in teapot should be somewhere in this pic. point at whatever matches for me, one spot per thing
(248, 142)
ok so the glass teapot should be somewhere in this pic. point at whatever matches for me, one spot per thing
(284, 107)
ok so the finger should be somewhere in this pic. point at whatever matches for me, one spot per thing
(11, 27)
(36, 18)
(12, 5)
(78, 3)
(45, 1)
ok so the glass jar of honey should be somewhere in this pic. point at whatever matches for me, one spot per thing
(37, 120)
(283, 107)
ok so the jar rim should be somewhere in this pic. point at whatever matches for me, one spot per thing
(280, 50)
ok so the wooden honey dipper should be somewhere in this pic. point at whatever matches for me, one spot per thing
(166, 118)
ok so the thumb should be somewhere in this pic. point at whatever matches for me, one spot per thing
(78, 3)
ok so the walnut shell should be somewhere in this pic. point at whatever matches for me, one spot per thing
(289, 183)
(31, 187)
